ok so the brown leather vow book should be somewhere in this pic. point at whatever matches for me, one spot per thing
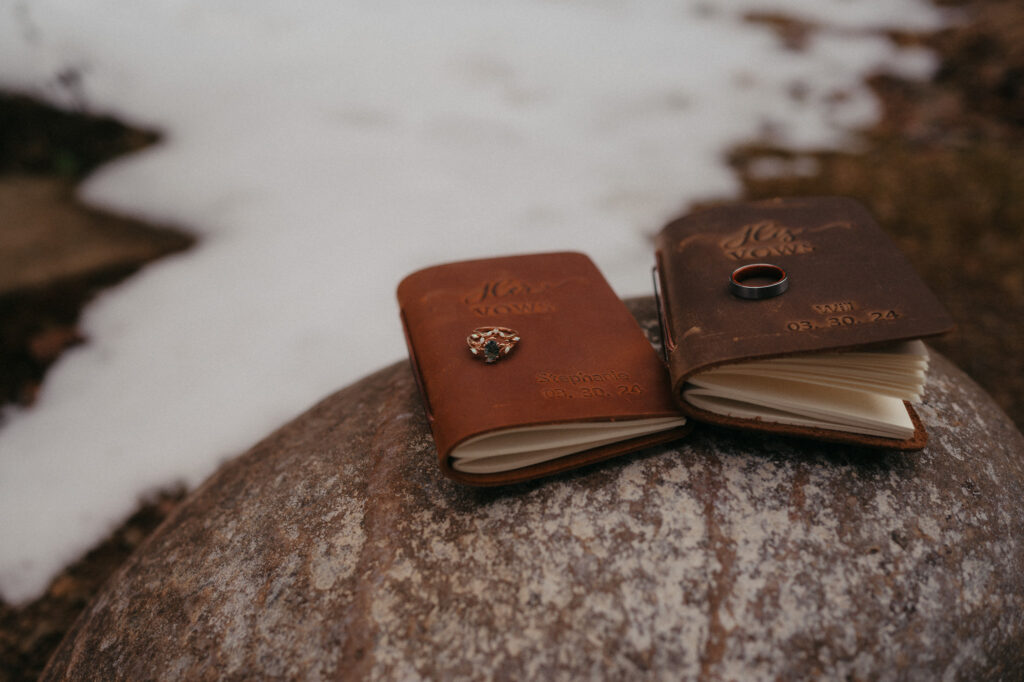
(531, 365)
(817, 336)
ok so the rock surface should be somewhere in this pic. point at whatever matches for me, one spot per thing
(334, 549)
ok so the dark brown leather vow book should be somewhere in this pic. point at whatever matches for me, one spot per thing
(531, 365)
(796, 316)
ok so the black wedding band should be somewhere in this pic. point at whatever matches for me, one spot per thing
(777, 284)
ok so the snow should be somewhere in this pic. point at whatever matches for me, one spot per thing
(323, 150)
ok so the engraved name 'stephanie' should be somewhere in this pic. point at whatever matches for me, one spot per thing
(580, 377)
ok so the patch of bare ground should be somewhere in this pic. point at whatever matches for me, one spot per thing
(944, 173)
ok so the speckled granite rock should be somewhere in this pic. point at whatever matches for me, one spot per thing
(333, 549)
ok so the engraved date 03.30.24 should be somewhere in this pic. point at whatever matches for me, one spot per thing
(843, 320)
(592, 392)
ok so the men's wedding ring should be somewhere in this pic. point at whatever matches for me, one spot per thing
(758, 281)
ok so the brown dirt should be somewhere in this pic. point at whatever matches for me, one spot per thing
(55, 254)
(943, 171)
(29, 635)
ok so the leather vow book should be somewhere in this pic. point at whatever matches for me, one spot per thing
(531, 365)
(822, 342)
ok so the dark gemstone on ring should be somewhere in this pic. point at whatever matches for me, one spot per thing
(491, 350)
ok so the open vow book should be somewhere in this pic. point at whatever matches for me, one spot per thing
(855, 392)
(531, 365)
(796, 316)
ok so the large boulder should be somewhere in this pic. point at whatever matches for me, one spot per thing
(334, 549)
